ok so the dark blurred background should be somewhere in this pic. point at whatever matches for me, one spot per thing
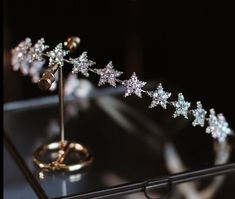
(187, 43)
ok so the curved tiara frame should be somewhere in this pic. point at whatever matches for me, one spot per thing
(30, 60)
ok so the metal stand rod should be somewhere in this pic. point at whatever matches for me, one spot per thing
(64, 147)
(61, 103)
(48, 78)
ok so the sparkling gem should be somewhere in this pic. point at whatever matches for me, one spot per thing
(108, 75)
(35, 53)
(81, 64)
(181, 106)
(218, 126)
(57, 55)
(199, 115)
(133, 86)
(159, 97)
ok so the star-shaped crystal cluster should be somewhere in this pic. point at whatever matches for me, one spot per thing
(20, 56)
(199, 114)
(108, 75)
(81, 64)
(218, 126)
(181, 106)
(159, 97)
(213, 124)
(56, 56)
(133, 85)
(35, 53)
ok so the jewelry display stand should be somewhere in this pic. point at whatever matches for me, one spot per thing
(58, 152)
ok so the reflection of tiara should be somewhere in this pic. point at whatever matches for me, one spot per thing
(30, 59)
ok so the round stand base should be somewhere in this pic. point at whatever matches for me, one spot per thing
(62, 156)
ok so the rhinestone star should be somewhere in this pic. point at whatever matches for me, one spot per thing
(20, 56)
(181, 106)
(57, 55)
(224, 128)
(218, 126)
(35, 52)
(133, 86)
(81, 64)
(108, 75)
(213, 123)
(199, 115)
(159, 97)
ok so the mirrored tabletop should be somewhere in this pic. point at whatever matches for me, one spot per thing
(129, 143)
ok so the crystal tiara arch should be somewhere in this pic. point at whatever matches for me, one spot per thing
(30, 59)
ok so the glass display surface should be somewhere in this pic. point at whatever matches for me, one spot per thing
(129, 141)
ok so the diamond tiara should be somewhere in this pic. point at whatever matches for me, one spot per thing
(30, 59)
